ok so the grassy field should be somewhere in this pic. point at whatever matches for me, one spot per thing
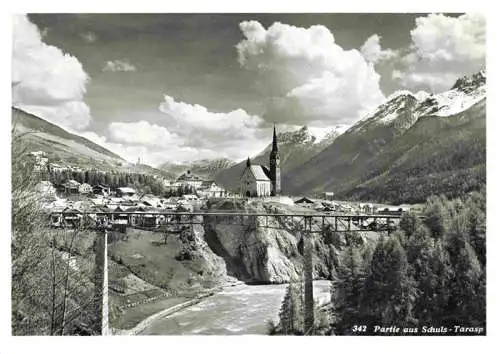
(146, 255)
(141, 267)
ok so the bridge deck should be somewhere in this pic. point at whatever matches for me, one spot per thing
(311, 222)
(303, 214)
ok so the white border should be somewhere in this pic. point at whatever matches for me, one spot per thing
(209, 344)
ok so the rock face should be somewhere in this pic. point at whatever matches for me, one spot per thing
(195, 248)
(257, 250)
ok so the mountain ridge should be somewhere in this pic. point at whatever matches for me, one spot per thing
(358, 155)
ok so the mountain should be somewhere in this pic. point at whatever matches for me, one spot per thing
(295, 148)
(65, 148)
(39, 135)
(206, 169)
(410, 147)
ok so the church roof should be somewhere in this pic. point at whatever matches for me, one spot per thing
(261, 173)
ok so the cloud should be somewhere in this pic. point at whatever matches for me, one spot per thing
(142, 133)
(443, 49)
(372, 50)
(49, 83)
(308, 78)
(118, 65)
(188, 132)
(223, 132)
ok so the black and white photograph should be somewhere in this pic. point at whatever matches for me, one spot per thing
(269, 174)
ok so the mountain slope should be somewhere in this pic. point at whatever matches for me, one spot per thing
(40, 135)
(432, 140)
(438, 155)
(295, 148)
(206, 169)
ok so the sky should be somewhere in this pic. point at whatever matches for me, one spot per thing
(184, 87)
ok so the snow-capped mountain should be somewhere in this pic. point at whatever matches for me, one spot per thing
(295, 148)
(402, 142)
(466, 92)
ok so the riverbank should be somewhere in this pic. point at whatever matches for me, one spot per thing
(238, 310)
(174, 305)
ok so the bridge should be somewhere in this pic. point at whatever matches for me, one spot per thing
(304, 222)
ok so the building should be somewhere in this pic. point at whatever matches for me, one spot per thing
(210, 189)
(329, 195)
(255, 181)
(190, 180)
(258, 180)
(304, 201)
(125, 192)
(71, 186)
(102, 189)
(274, 167)
(85, 188)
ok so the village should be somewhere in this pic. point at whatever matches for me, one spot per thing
(71, 203)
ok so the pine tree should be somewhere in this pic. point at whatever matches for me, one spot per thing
(389, 293)
(436, 217)
(292, 310)
(408, 223)
(433, 275)
(467, 288)
(347, 287)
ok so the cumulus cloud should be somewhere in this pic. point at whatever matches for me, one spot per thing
(308, 78)
(118, 65)
(188, 132)
(142, 133)
(223, 132)
(443, 49)
(48, 82)
(372, 50)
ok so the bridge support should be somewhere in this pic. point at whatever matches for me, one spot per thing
(308, 280)
(101, 310)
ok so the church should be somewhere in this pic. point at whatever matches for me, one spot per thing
(258, 180)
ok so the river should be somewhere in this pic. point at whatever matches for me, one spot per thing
(242, 309)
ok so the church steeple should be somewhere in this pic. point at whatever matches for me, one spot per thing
(274, 166)
(275, 140)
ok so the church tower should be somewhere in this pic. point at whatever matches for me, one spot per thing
(274, 167)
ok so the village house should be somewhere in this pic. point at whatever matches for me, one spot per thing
(151, 200)
(102, 189)
(71, 186)
(329, 195)
(122, 192)
(85, 188)
(209, 189)
(304, 201)
(188, 179)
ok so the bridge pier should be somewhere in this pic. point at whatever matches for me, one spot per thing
(101, 310)
(308, 279)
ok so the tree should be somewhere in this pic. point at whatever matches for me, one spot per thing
(389, 293)
(409, 222)
(432, 271)
(292, 310)
(48, 297)
(436, 217)
(346, 290)
(467, 287)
